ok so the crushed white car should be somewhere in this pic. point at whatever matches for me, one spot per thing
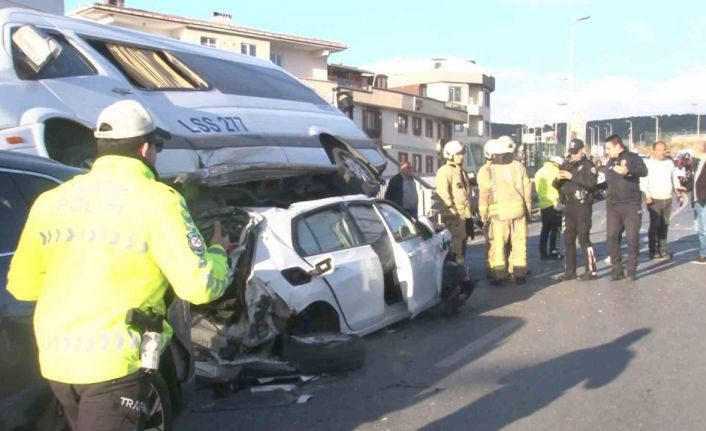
(349, 264)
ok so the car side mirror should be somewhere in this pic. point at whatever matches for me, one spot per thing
(404, 231)
(425, 226)
(39, 48)
(323, 267)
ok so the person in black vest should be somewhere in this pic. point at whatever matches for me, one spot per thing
(699, 201)
(576, 184)
(623, 205)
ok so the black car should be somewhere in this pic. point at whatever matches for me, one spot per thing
(26, 401)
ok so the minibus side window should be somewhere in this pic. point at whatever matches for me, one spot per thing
(69, 63)
(150, 69)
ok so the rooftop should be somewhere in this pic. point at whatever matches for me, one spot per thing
(88, 10)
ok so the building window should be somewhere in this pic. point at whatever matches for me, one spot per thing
(486, 128)
(277, 59)
(402, 123)
(380, 81)
(208, 41)
(417, 126)
(458, 127)
(417, 162)
(429, 126)
(248, 49)
(372, 122)
(455, 94)
(430, 165)
(402, 157)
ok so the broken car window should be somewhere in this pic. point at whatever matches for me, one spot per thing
(232, 77)
(69, 62)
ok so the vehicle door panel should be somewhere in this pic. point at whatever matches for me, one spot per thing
(416, 257)
(356, 280)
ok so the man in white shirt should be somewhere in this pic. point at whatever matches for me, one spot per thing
(659, 187)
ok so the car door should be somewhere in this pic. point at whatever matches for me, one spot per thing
(356, 280)
(417, 259)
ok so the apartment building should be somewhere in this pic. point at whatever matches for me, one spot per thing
(458, 83)
(303, 57)
(410, 128)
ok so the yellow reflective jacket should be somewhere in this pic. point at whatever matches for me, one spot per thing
(454, 191)
(95, 247)
(504, 191)
(548, 194)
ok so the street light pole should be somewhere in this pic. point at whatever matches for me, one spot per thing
(611, 128)
(630, 144)
(572, 43)
(698, 120)
(656, 127)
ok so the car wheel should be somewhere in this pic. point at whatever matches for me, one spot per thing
(357, 177)
(327, 352)
(160, 415)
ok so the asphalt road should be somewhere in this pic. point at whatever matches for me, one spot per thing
(574, 356)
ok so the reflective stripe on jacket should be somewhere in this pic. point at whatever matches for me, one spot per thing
(454, 191)
(504, 191)
(95, 247)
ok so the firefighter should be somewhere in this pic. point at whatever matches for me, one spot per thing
(454, 190)
(505, 201)
(99, 249)
(576, 183)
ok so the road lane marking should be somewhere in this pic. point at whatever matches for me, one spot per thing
(496, 334)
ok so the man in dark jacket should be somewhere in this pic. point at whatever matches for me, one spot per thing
(623, 205)
(576, 183)
(402, 190)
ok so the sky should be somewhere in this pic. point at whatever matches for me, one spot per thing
(632, 57)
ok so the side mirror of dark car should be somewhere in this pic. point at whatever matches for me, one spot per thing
(425, 227)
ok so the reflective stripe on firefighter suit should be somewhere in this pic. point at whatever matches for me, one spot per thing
(454, 192)
(95, 247)
(505, 198)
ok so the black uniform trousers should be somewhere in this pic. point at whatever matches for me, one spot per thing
(660, 213)
(619, 217)
(113, 405)
(551, 225)
(577, 217)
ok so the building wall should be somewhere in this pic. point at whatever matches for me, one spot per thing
(303, 64)
(50, 6)
(227, 42)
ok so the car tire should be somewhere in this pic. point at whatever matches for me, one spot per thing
(327, 352)
(159, 405)
(354, 175)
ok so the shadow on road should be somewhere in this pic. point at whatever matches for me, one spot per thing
(528, 390)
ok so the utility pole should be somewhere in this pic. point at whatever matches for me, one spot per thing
(630, 143)
(698, 120)
(656, 127)
(572, 43)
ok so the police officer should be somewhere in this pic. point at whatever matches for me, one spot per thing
(97, 247)
(454, 191)
(623, 205)
(505, 201)
(576, 182)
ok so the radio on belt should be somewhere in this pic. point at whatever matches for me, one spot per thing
(149, 324)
